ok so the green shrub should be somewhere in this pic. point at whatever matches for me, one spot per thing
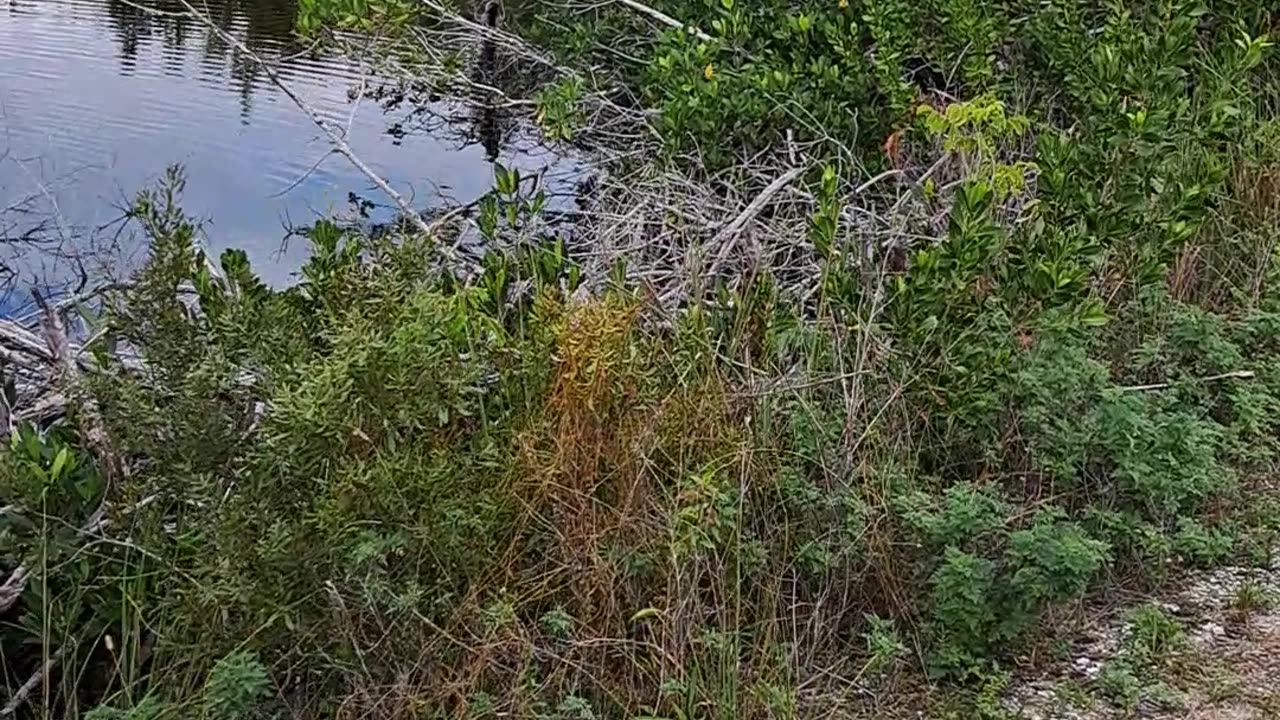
(529, 492)
(236, 684)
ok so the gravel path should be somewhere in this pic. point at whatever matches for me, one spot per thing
(1225, 665)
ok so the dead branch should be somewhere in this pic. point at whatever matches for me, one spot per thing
(22, 340)
(727, 238)
(665, 19)
(23, 692)
(47, 407)
(1234, 375)
(68, 378)
(12, 588)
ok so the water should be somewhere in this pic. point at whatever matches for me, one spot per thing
(98, 97)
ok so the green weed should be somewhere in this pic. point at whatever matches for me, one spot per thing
(394, 491)
(1250, 598)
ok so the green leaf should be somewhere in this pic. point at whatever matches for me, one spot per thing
(59, 463)
(645, 614)
(1094, 315)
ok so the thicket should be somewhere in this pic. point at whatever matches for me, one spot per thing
(392, 491)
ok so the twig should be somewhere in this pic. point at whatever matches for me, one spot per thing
(288, 188)
(886, 174)
(21, 695)
(942, 159)
(666, 19)
(727, 238)
(1234, 375)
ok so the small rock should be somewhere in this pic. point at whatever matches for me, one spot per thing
(1088, 667)
(1208, 634)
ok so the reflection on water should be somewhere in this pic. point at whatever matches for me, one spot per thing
(98, 97)
(264, 26)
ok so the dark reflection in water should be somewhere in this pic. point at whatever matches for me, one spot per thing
(98, 97)
(265, 27)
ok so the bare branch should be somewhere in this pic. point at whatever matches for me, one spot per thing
(1234, 375)
(28, 687)
(727, 238)
(12, 588)
(665, 19)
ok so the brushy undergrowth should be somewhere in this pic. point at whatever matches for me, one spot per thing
(387, 492)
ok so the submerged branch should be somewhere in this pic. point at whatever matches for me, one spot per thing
(339, 144)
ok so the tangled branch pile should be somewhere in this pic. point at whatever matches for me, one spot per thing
(875, 357)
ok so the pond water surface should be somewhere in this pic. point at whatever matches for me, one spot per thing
(99, 97)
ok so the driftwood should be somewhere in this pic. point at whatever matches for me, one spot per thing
(22, 340)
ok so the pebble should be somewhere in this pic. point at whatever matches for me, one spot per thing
(1203, 604)
(1088, 667)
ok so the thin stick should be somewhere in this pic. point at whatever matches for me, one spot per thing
(27, 688)
(1235, 375)
(886, 174)
(665, 19)
(727, 238)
